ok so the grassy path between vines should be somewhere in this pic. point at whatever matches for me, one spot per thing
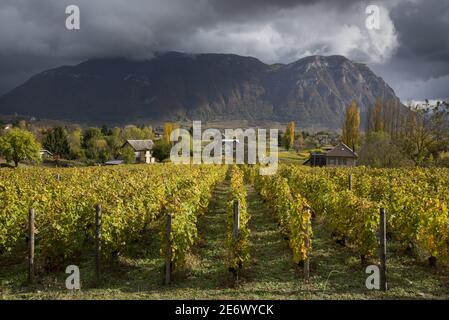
(335, 272)
(271, 273)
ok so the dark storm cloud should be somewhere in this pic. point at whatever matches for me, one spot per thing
(424, 28)
(420, 66)
(410, 51)
(233, 7)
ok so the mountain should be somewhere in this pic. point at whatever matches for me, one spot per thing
(175, 86)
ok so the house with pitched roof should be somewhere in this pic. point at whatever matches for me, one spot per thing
(339, 156)
(142, 150)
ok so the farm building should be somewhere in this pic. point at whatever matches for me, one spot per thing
(142, 150)
(339, 156)
(45, 154)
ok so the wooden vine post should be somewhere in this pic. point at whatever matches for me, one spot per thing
(307, 246)
(168, 254)
(97, 243)
(383, 250)
(236, 210)
(350, 182)
(31, 245)
(236, 230)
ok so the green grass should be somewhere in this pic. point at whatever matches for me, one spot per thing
(292, 156)
(138, 274)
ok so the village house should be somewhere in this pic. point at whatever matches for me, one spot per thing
(7, 127)
(142, 150)
(339, 156)
(45, 154)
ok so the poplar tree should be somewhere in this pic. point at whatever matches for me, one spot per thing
(351, 126)
(168, 128)
(378, 121)
(289, 136)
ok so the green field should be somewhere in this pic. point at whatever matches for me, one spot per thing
(292, 157)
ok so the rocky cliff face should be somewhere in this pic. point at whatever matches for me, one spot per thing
(176, 86)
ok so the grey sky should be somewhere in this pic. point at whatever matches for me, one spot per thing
(410, 51)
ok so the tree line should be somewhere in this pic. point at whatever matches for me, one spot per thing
(397, 135)
(394, 135)
(90, 146)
